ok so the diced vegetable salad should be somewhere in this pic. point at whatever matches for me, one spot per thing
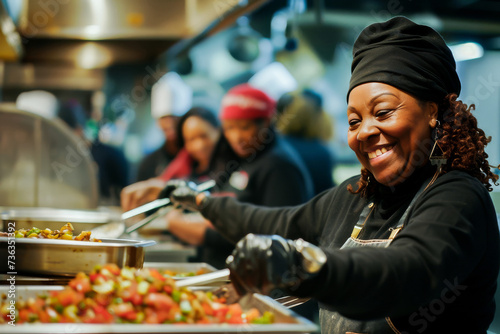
(113, 295)
(65, 233)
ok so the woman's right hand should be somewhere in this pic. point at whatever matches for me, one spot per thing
(262, 263)
(140, 193)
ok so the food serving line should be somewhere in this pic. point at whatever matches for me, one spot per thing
(44, 265)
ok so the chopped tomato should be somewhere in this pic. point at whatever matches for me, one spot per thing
(151, 317)
(168, 289)
(102, 315)
(159, 301)
(220, 313)
(43, 316)
(221, 300)
(124, 310)
(36, 305)
(112, 268)
(81, 283)
(130, 294)
(203, 321)
(69, 296)
(234, 314)
(95, 276)
(102, 299)
(25, 315)
(252, 314)
(156, 275)
(234, 319)
(207, 308)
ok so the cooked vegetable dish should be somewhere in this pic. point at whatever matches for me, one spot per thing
(113, 295)
(177, 274)
(65, 233)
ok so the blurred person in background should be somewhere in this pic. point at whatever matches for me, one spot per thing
(252, 163)
(307, 128)
(112, 166)
(171, 97)
(198, 133)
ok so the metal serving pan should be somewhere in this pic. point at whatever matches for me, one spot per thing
(53, 257)
(82, 220)
(181, 267)
(286, 321)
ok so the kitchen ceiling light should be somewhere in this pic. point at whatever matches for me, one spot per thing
(92, 55)
(467, 51)
(92, 31)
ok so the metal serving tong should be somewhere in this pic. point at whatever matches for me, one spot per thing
(119, 230)
(291, 301)
(205, 279)
(156, 204)
(228, 291)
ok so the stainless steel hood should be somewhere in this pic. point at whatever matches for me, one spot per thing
(120, 19)
(75, 32)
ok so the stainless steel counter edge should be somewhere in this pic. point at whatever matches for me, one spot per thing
(105, 242)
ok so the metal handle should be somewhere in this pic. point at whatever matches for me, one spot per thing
(146, 207)
(291, 301)
(146, 220)
(219, 275)
(161, 202)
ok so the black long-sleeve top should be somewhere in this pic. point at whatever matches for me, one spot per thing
(438, 275)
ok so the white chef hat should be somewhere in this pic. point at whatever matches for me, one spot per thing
(39, 102)
(170, 96)
(274, 79)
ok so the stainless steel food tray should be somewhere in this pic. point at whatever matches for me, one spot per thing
(286, 321)
(180, 267)
(82, 220)
(50, 257)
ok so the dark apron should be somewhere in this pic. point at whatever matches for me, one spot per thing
(334, 323)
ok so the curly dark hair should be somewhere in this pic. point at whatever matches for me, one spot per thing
(462, 142)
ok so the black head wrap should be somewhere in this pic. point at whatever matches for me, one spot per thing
(408, 56)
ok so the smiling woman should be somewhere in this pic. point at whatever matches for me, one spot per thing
(415, 248)
(389, 133)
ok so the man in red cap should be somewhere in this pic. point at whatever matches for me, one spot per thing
(268, 171)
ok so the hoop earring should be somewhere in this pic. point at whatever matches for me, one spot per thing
(437, 156)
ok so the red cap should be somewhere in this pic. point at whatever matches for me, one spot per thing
(245, 102)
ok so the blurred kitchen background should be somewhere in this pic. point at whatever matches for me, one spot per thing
(102, 57)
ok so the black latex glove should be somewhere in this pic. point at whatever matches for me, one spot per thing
(166, 191)
(186, 196)
(263, 263)
(170, 187)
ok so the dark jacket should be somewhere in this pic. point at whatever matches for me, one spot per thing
(273, 176)
(318, 159)
(113, 170)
